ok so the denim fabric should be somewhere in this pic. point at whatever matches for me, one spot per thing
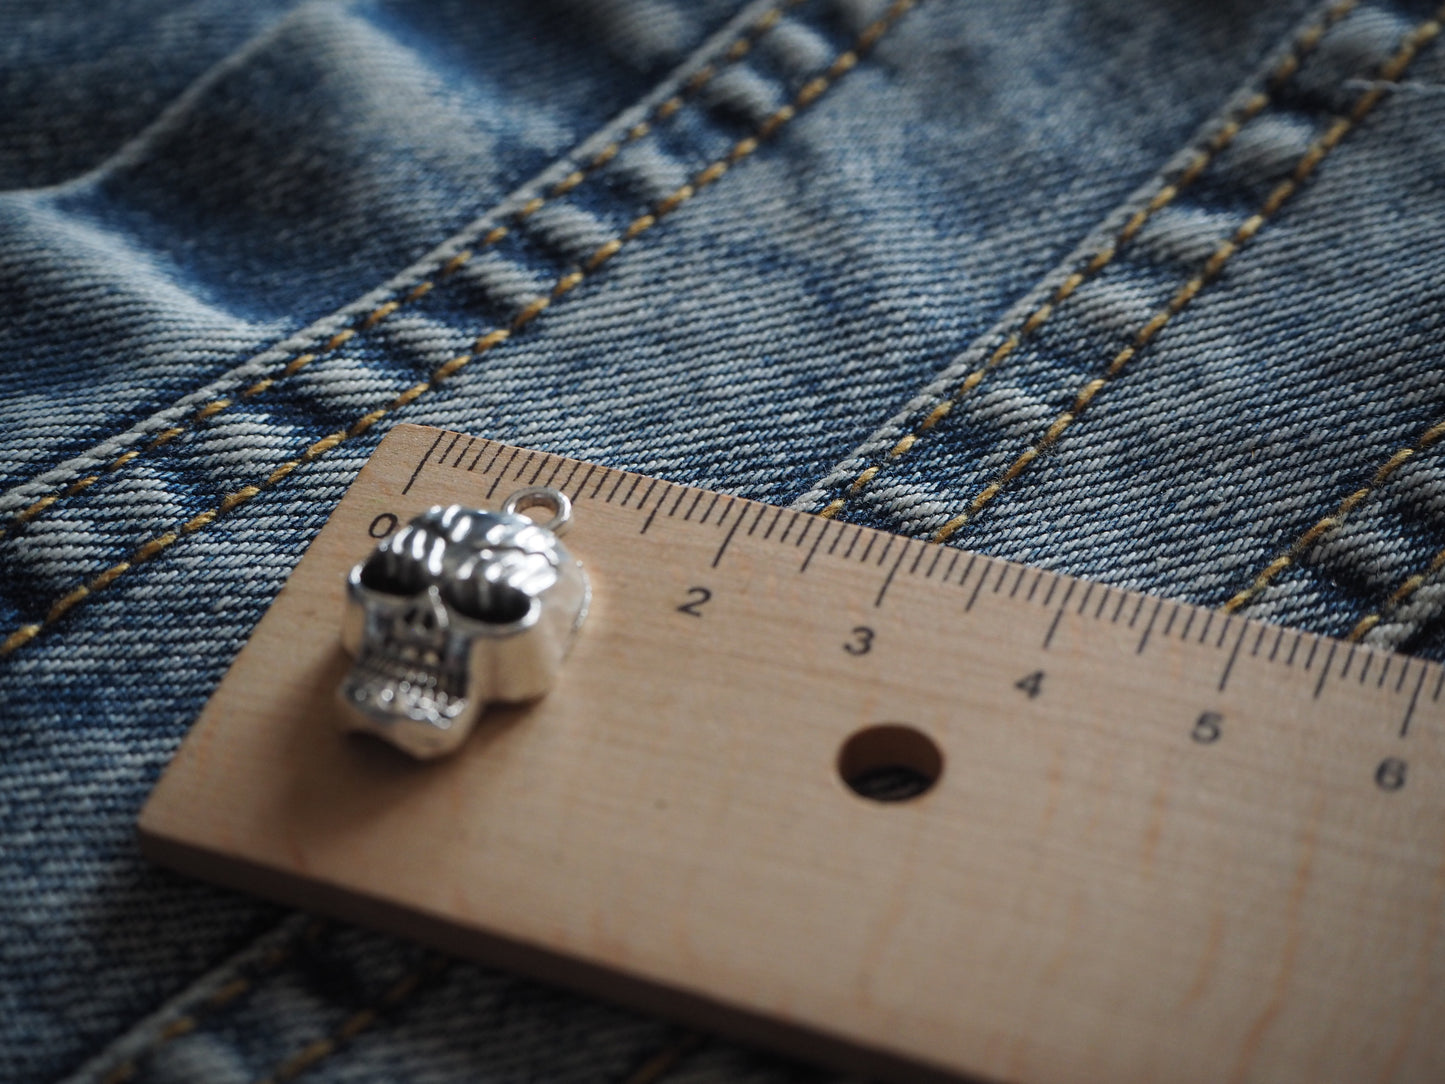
(879, 260)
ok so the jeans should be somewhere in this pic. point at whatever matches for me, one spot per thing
(1148, 291)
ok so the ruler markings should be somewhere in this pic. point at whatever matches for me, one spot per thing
(687, 518)
(742, 515)
(442, 459)
(952, 563)
(712, 504)
(1229, 666)
(636, 481)
(982, 576)
(818, 542)
(1053, 586)
(773, 524)
(681, 496)
(1169, 625)
(1144, 640)
(1324, 670)
(1068, 593)
(1054, 626)
(1294, 647)
(582, 485)
(483, 450)
(887, 546)
(792, 522)
(1310, 658)
(1034, 587)
(1002, 575)
(937, 557)
(642, 503)
(1350, 658)
(497, 478)
(968, 569)
(922, 550)
(763, 510)
(412, 480)
(888, 580)
(463, 453)
(1224, 632)
(454, 453)
(1414, 699)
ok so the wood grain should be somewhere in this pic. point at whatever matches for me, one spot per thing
(1180, 853)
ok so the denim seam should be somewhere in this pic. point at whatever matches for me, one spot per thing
(318, 1050)
(1301, 545)
(1399, 596)
(1318, 150)
(806, 95)
(665, 1059)
(206, 1010)
(1304, 43)
(667, 108)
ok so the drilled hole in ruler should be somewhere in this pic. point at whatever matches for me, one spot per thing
(890, 762)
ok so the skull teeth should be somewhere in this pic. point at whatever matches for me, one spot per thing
(407, 681)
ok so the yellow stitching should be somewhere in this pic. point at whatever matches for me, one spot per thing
(1161, 199)
(1302, 544)
(695, 83)
(318, 1050)
(26, 633)
(184, 1025)
(1186, 293)
(665, 1060)
(1399, 595)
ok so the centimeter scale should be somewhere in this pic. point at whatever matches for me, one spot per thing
(1156, 842)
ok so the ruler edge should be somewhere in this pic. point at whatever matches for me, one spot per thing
(609, 982)
(1006, 564)
(534, 962)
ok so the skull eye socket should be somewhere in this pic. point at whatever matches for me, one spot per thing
(488, 602)
(405, 564)
(384, 573)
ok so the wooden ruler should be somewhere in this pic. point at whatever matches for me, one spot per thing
(1159, 843)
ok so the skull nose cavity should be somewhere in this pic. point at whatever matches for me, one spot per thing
(426, 617)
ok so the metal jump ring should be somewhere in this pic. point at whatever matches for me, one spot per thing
(539, 497)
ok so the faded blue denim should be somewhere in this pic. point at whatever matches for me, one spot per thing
(231, 233)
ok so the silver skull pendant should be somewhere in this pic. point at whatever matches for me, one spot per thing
(458, 609)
